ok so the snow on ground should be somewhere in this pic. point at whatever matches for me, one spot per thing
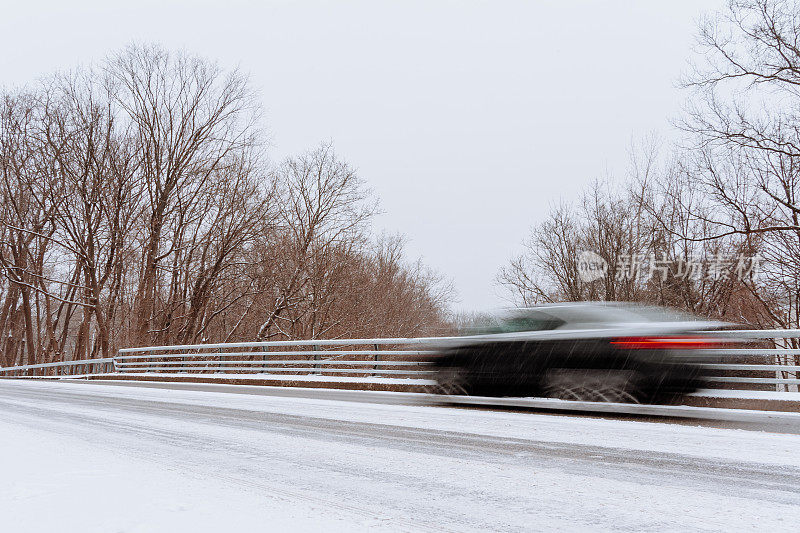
(60, 483)
(356, 380)
(265, 377)
(296, 377)
(786, 396)
(111, 458)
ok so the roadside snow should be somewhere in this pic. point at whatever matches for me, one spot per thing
(96, 458)
(725, 444)
(785, 396)
(59, 483)
(292, 377)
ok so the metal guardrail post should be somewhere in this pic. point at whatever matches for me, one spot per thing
(377, 359)
(315, 348)
(777, 360)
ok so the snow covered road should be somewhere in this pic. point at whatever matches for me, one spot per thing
(80, 457)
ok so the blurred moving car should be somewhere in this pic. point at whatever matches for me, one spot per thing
(611, 352)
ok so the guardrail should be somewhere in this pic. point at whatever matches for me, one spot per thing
(335, 357)
(61, 368)
(395, 358)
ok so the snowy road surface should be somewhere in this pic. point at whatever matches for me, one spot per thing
(79, 457)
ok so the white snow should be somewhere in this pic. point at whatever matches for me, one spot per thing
(80, 457)
(266, 377)
(292, 377)
(358, 380)
(62, 483)
(786, 396)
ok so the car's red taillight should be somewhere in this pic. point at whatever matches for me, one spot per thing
(663, 343)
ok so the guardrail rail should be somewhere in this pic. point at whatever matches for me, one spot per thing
(761, 368)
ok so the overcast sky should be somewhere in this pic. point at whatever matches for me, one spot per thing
(468, 119)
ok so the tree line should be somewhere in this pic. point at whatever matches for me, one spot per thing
(139, 208)
(728, 192)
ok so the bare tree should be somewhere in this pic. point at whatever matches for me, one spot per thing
(651, 236)
(189, 120)
(746, 126)
(138, 207)
(28, 226)
(325, 206)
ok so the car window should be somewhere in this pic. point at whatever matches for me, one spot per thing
(617, 313)
(530, 321)
(594, 314)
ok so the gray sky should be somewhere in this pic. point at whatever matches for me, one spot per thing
(468, 119)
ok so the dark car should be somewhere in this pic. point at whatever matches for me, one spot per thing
(585, 351)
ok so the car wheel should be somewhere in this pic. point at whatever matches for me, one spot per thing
(451, 382)
(590, 385)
